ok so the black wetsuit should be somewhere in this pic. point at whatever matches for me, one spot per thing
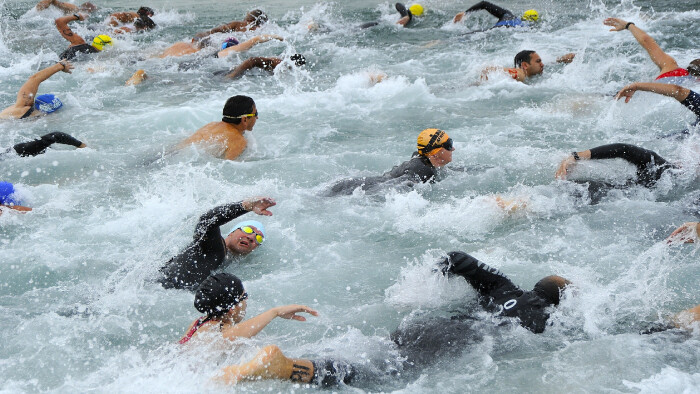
(39, 146)
(418, 169)
(72, 52)
(505, 17)
(205, 254)
(692, 102)
(650, 166)
(403, 11)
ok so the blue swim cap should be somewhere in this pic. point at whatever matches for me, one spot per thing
(231, 41)
(47, 103)
(251, 223)
(6, 192)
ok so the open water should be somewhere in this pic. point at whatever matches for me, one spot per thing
(79, 311)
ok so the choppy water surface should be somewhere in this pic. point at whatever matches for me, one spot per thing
(78, 310)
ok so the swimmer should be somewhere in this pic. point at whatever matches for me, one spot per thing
(265, 63)
(687, 233)
(226, 138)
(687, 97)
(77, 43)
(39, 146)
(228, 47)
(28, 104)
(137, 77)
(527, 64)
(8, 199)
(222, 299)
(252, 21)
(505, 17)
(67, 8)
(434, 151)
(420, 344)
(140, 20)
(668, 67)
(207, 252)
(406, 15)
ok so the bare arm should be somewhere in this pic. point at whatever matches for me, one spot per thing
(27, 93)
(569, 161)
(687, 233)
(124, 17)
(664, 61)
(568, 58)
(244, 46)
(65, 7)
(266, 63)
(686, 318)
(677, 92)
(232, 26)
(66, 32)
(253, 326)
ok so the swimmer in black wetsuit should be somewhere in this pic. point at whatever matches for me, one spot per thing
(419, 344)
(207, 251)
(39, 146)
(505, 17)
(434, 151)
(77, 43)
(406, 17)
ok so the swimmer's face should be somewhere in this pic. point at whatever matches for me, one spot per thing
(441, 157)
(237, 313)
(535, 66)
(249, 121)
(242, 243)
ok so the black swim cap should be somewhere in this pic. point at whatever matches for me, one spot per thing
(235, 107)
(147, 11)
(694, 68)
(550, 288)
(218, 294)
(298, 59)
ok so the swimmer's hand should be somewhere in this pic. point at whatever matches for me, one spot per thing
(259, 205)
(627, 92)
(563, 169)
(617, 24)
(290, 312)
(687, 233)
(67, 66)
(81, 17)
(566, 59)
(459, 17)
(268, 37)
(82, 145)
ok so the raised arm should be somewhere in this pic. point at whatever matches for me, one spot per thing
(210, 222)
(266, 63)
(228, 27)
(244, 46)
(481, 277)
(251, 327)
(664, 61)
(66, 32)
(27, 93)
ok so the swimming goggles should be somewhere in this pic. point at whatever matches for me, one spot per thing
(249, 115)
(249, 230)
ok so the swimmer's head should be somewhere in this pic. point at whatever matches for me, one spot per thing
(298, 59)
(529, 61)
(550, 288)
(256, 17)
(88, 7)
(146, 11)
(694, 68)
(238, 108)
(245, 237)
(432, 140)
(47, 103)
(416, 9)
(100, 41)
(231, 41)
(530, 16)
(7, 191)
(218, 294)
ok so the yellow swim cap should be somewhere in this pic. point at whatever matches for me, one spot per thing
(100, 41)
(431, 140)
(530, 16)
(416, 9)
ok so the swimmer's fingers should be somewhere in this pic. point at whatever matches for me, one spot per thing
(259, 205)
(684, 234)
(67, 66)
(290, 312)
(617, 24)
(627, 92)
(563, 169)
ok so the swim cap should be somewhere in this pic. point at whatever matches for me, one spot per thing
(298, 59)
(47, 103)
(250, 223)
(147, 11)
(530, 16)
(217, 294)
(6, 192)
(694, 68)
(430, 141)
(231, 41)
(100, 41)
(550, 288)
(416, 9)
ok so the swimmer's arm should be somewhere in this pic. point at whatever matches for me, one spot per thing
(244, 46)
(253, 326)
(124, 17)
(677, 92)
(491, 8)
(687, 233)
(664, 61)
(266, 63)
(569, 161)
(27, 93)
(232, 26)
(66, 32)
(480, 276)
(687, 318)
(65, 7)
(19, 208)
(568, 58)
(235, 149)
(209, 223)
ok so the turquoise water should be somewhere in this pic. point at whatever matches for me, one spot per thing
(79, 311)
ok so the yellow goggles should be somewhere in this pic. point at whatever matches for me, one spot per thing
(249, 116)
(258, 237)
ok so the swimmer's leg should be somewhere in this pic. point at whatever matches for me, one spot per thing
(269, 363)
(137, 78)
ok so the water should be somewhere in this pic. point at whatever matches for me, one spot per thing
(78, 309)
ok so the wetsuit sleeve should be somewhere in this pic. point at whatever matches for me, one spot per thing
(208, 225)
(493, 9)
(692, 102)
(639, 157)
(39, 146)
(484, 279)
